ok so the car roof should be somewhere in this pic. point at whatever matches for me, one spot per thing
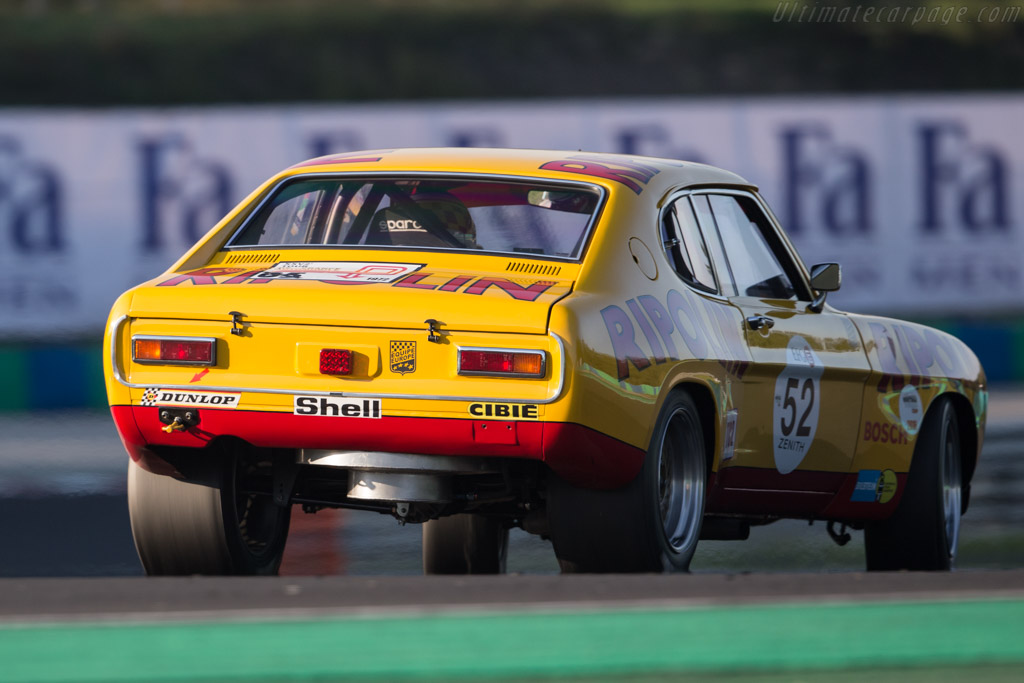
(560, 164)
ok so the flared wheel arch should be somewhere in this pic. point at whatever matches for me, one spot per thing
(968, 430)
(706, 412)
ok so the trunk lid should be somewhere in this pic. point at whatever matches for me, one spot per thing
(482, 294)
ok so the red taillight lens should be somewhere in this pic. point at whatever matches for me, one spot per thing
(501, 363)
(175, 351)
(335, 362)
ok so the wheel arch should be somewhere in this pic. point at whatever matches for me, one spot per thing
(969, 441)
(707, 412)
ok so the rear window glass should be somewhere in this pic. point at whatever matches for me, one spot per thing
(444, 214)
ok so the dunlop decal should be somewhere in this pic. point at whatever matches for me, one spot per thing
(190, 399)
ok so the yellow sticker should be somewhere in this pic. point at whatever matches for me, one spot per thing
(886, 487)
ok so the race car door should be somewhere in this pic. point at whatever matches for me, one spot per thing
(799, 412)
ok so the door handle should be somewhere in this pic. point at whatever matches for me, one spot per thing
(760, 322)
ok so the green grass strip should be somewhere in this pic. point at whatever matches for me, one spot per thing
(13, 379)
(523, 645)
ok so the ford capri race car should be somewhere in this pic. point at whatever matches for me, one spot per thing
(622, 354)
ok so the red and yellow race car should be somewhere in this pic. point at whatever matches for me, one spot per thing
(622, 354)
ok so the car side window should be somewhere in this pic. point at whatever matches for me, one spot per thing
(687, 248)
(706, 220)
(745, 232)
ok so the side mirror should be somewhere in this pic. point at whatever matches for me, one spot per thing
(825, 278)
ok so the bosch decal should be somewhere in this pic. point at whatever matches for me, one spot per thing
(337, 407)
(874, 486)
(190, 399)
(515, 411)
(885, 432)
(403, 356)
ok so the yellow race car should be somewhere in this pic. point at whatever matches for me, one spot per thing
(622, 354)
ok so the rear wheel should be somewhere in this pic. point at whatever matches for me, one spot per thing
(653, 524)
(464, 544)
(923, 532)
(183, 528)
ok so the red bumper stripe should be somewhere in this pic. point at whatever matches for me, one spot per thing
(579, 454)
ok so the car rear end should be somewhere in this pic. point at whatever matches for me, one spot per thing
(381, 340)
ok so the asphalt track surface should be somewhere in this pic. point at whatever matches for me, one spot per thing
(920, 626)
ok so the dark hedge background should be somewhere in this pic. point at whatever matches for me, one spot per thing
(154, 52)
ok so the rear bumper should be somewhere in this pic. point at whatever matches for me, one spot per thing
(579, 454)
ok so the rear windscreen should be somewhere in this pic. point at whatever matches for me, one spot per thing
(444, 214)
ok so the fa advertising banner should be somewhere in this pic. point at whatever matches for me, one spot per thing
(919, 198)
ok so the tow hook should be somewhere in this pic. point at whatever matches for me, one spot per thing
(841, 537)
(178, 420)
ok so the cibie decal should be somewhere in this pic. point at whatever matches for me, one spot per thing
(338, 272)
(911, 410)
(190, 399)
(403, 356)
(337, 407)
(515, 411)
(797, 404)
(874, 486)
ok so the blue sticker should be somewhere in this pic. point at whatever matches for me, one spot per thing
(866, 490)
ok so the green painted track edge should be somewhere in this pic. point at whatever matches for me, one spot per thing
(525, 644)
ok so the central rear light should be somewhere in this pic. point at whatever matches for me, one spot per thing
(335, 362)
(174, 350)
(501, 363)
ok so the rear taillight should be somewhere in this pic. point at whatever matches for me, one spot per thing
(174, 350)
(501, 363)
(335, 362)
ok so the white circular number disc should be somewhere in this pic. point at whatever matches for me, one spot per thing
(797, 404)
(911, 409)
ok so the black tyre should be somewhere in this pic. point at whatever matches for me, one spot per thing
(923, 532)
(464, 544)
(653, 524)
(182, 528)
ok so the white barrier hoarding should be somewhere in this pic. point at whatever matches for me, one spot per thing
(919, 197)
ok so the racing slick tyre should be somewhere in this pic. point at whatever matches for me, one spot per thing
(651, 525)
(922, 533)
(464, 544)
(182, 528)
